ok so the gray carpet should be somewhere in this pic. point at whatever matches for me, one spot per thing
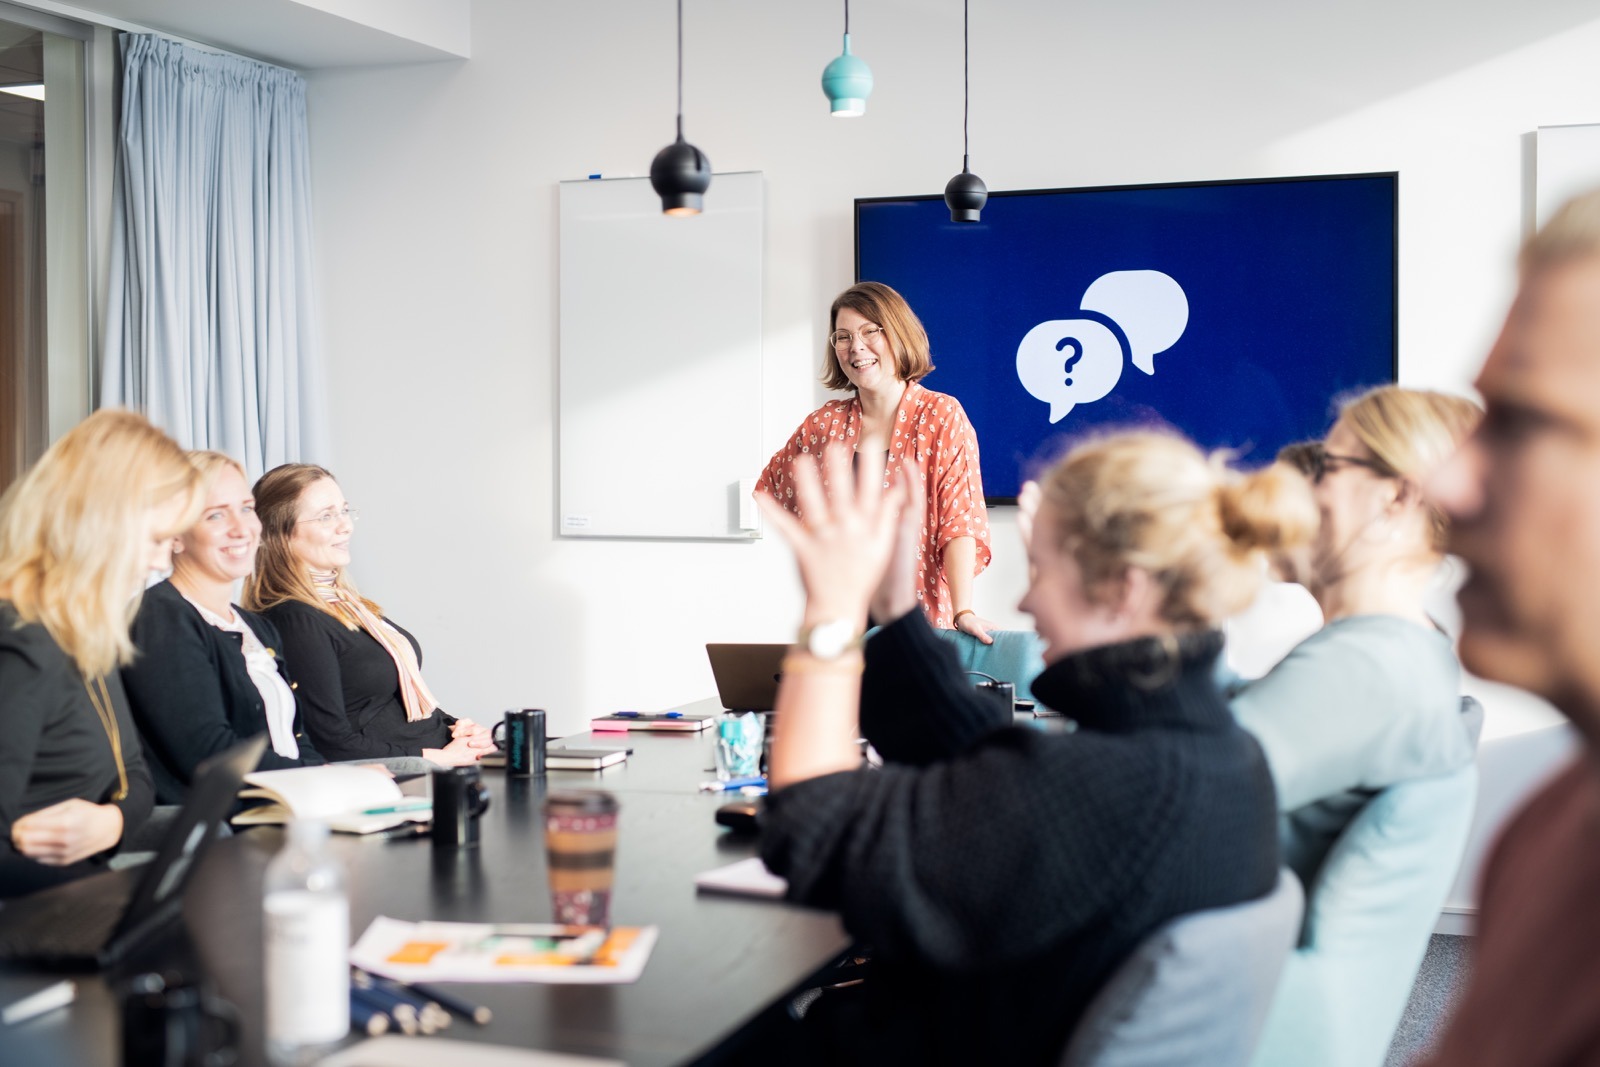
(1438, 989)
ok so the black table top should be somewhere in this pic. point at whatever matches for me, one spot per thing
(719, 960)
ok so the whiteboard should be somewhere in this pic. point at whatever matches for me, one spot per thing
(1567, 162)
(660, 362)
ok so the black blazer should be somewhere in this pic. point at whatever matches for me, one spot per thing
(191, 693)
(54, 748)
(350, 689)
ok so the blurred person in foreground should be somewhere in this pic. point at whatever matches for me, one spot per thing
(1525, 516)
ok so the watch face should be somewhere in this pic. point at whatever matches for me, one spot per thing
(828, 640)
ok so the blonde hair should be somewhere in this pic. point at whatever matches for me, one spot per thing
(72, 529)
(908, 341)
(1412, 432)
(211, 464)
(1153, 501)
(280, 575)
(1573, 232)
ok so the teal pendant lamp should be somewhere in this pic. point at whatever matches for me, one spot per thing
(680, 174)
(847, 81)
(965, 194)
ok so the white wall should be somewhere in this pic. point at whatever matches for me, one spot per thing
(436, 228)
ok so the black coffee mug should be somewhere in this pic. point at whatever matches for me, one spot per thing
(168, 1020)
(520, 735)
(459, 797)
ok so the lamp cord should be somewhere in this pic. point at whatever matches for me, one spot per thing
(847, 16)
(966, 90)
(680, 70)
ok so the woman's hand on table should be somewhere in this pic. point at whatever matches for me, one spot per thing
(67, 832)
(461, 752)
(844, 542)
(467, 730)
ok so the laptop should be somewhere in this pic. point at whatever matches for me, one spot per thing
(94, 922)
(747, 675)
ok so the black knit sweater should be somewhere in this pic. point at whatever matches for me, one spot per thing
(1000, 873)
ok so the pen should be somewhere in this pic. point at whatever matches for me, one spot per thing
(673, 715)
(419, 804)
(624, 714)
(476, 1012)
(403, 833)
(733, 784)
(366, 1018)
(36, 1004)
(403, 1014)
(429, 1015)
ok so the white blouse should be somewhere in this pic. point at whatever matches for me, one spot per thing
(276, 696)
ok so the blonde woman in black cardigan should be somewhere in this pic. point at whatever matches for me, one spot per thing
(999, 873)
(79, 532)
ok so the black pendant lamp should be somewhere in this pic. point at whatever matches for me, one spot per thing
(680, 174)
(965, 194)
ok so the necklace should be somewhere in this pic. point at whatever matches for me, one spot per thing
(108, 719)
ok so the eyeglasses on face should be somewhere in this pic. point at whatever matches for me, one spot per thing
(1323, 463)
(330, 516)
(840, 339)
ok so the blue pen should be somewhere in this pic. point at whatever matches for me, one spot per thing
(624, 714)
(673, 715)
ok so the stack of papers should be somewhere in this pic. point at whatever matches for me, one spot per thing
(503, 952)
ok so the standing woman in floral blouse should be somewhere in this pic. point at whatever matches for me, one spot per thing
(879, 350)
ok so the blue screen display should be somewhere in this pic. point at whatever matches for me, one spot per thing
(1236, 312)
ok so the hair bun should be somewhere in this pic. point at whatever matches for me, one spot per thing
(1270, 509)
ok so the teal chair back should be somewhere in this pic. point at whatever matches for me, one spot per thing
(1017, 656)
(1369, 915)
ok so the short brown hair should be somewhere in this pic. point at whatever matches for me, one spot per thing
(279, 575)
(877, 303)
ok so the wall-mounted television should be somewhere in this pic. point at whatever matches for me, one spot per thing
(1237, 312)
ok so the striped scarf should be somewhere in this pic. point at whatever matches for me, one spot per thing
(419, 700)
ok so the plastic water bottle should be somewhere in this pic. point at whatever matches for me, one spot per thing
(306, 928)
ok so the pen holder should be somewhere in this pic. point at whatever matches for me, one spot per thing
(459, 798)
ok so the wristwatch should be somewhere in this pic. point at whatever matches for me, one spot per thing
(830, 640)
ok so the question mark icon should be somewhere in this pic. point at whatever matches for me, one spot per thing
(1077, 354)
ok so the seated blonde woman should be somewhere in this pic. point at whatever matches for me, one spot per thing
(79, 533)
(359, 674)
(210, 674)
(1000, 873)
(1374, 697)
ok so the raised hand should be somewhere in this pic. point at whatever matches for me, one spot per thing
(843, 543)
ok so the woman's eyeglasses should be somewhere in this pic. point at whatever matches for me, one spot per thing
(328, 518)
(840, 339)
(1320, 463)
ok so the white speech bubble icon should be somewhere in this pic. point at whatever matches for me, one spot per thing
(1150, 307)
(1067, 362)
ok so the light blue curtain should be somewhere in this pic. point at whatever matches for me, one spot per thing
(210, 323)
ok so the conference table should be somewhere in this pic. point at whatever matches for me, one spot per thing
(719, 959)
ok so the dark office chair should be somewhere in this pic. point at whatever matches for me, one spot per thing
(1196, 991)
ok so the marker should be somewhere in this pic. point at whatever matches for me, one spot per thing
(36, 1004)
